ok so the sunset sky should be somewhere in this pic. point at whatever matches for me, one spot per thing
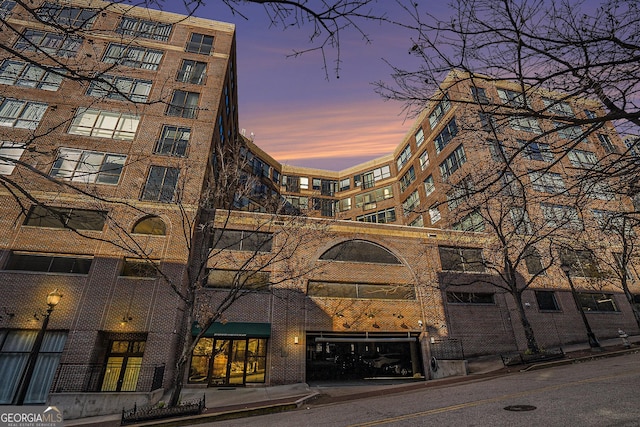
(299, 117)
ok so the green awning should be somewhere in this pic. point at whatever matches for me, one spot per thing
(236, 329)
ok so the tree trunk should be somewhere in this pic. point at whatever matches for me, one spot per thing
(532, 344)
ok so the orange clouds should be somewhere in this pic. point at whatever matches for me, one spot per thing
(312, 134)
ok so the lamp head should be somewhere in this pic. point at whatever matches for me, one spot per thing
(53, 298)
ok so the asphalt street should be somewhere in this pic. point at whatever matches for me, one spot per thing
(603, 392)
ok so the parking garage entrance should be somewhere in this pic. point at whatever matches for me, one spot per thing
(332, 356)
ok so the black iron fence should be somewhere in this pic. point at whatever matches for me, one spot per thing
(71, 377)
(154, 412)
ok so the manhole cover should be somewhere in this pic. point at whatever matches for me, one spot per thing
(520, 408)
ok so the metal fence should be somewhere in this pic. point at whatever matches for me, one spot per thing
(71, 377)
(446, 348)
(153, 412)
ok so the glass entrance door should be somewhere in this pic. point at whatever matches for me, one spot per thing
(229, 362)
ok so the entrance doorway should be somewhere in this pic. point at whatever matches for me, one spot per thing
(224, 361)
(122, 368)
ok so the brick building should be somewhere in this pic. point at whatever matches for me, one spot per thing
(359, 287)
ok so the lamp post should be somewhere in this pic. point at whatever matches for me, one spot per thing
(593, 341)
(53, 298)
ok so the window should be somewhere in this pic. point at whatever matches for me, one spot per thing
(21, 114)
(104, 124)
(88, 166)
(453, 162)
(547, 301)
(434, 214)
(173, 141)
(512, 98)
(561, 216)
(360, 251)
(120, 88)
(28, 75)
(325, 206)
(479, 95)
(152, 225)
(473, 221)
(606, 143)
(360, 290)
(582, 263)
(443, 106)
(48, 263)
(429, 185)
(597, 189)
(6, 6)
(291, 183)
(460, 192)
(424, 160)
(161, 184)
(133, 56)
(590, 114)
(419, 137)
(470, 298)
(241, 240)
(239, 279)
(74, 17)
(560, 108)
(200, 43)
(75, 219)
(411, 203)
(547, 182)
(183, 104)
(49, 43)
(304, 183)
(345, 184)
(447, 134)
(193, 72)
(407, 179)
(404, 157)
(461, 259)
(298, 202)
(488, 122)
(582, 159)
(9, 153)
(136, 27)
(597, 302)
(368, 179)
(533, 261)
(139, 268)
(344, 204)
(533, 150)
(382, 217)
(521, 222)
(418, 222)
(369, 199)
(15, 349)
(609, 221)
(569, 132)
(526, 124)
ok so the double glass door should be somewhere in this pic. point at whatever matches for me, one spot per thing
(230, 361)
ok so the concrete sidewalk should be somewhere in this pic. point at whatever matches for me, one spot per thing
(236, 402)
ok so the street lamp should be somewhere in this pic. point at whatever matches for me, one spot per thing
(53, 298)
(593, 341)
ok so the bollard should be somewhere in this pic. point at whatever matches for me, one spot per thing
(625, 338)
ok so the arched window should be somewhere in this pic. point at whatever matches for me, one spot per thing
(150, 225)
(360, 251)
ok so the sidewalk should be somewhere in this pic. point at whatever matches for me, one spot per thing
(232, 402)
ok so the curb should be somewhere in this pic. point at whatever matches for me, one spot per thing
(538, 366)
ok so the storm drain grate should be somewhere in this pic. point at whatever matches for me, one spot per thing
(520, 408)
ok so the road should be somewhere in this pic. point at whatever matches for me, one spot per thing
(604, 392)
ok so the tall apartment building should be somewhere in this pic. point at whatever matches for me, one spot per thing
(116, 161)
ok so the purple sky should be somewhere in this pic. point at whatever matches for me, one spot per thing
(299, 117)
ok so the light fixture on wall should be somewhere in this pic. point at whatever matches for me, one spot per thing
(126, 319)
(399, 315)
(339, 314)
(371, 315)
(346, 325)
(375, 325)
(295, 340)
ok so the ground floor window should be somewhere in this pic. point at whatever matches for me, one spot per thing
(15, 349)
(228, 361)
(122, 368)
(359, 356)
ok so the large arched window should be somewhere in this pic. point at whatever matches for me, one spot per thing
(360, 251)
(150, 225)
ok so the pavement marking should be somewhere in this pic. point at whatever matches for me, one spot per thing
(491, 400)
